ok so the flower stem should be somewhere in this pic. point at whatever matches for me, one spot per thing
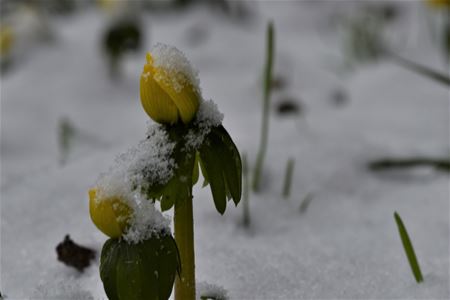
(184, 237)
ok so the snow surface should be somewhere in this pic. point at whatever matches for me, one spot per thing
(345, 246)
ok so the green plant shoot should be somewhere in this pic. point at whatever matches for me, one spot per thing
(288, 178)
(305, 203)
(266, 107)
(66, 134)
(409, 250)
(245, 193)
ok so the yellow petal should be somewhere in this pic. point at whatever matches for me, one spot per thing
(155, 101)
(167, 100)
(187, 100)
(110, 216)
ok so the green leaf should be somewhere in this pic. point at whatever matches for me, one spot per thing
(169, 264)
(195, 171)
(222, 167)
(409, 250)
(145, 270)
(231, 163)
(129, 276)
(167, 201)
(213, 171)
(108, 260)
(205, 175)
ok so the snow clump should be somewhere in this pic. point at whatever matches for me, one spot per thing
(177, 68)
(207, 117)
(147, 163)
(145, 221)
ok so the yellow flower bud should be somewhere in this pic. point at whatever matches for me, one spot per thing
(6, 40)
(111, 215)
(439, 3)
(168, 93)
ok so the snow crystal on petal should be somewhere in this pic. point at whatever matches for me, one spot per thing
(177, 67)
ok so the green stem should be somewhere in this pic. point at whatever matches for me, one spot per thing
(184, 237)
(409, 249)
(266, 104)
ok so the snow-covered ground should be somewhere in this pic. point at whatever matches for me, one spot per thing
(346, 244)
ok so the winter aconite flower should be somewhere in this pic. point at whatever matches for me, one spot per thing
(110, 215)
(169, 86)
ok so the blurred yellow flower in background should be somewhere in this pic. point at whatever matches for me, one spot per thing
(438, 3)
(109, 5)
(6, 40)
(111, 215)
(167, 94)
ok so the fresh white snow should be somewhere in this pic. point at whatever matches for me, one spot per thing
(149, 162)
(146, 221)
(207, 117)
(177, 68)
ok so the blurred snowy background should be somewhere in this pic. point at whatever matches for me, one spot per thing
(70, 104)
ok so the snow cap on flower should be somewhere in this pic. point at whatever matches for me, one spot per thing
(169, 86)
(110, 215)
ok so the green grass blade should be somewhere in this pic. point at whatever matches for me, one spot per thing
(288, 178)
(420, 69)
(245, 196)
(409, 250)
(305, 203)
(266, 107)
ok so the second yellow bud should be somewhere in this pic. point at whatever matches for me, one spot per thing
(110, 215)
